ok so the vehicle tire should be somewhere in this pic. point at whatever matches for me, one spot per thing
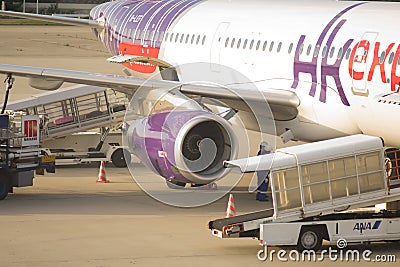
(309, 239)
(175, 185)
(4, 185)
(120, 157)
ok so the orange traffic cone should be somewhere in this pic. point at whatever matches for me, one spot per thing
(230, 210)
(102, 174)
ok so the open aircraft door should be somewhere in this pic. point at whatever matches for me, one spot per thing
(362, 57)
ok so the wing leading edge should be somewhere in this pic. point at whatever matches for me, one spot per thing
(70, 21)
(283, 103)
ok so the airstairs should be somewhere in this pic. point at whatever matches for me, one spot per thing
(74, 109)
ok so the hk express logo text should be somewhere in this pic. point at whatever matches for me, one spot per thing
(358, 58)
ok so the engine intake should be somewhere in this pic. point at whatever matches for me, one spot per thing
(184, 146)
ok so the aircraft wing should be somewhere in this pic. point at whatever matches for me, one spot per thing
(57, 19)
(283, 103)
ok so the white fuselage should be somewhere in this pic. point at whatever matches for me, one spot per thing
(328, 52)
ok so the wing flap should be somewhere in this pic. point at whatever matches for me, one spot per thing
(283, 103)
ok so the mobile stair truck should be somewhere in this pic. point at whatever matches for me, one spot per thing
(20, 152)
(320, 191)
(70, 112)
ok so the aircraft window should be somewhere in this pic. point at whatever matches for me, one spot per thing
(166, 35)
(192, 40)
(279, 47)
(271, 46)
(316, 50)
(265, 45)
(290, 48)
(398, 60)
(176, 37)
(308, 50)
(238, 43)
(233, 42)
(332, 51)
(258, 45)
(348, 53)
(181, 40)
(245, 44)
(324, 52)
(251, 44)
(204, 40)
(382, 58)
(339, 54)
(187, 38)
(172, 37)
(198, 39)
(226, 42)
(391, 57)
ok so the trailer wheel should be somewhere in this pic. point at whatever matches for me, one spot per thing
(309, 239)
(120, 157)
(4, 185)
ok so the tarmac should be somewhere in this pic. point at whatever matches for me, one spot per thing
(67, 219)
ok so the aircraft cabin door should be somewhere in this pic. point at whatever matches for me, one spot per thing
(216, 46)
(362, 58)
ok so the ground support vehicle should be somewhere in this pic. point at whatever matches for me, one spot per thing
(69, 112)
(316, 189)
(20, 151)
(89, 147)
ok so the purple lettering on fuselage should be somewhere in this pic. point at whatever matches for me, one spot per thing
(331, 70)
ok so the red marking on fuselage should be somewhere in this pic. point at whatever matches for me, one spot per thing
(363, 44)
(139, 50)
(394, 78)
(379, 60)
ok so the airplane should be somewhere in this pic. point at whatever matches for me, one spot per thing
(326, 68)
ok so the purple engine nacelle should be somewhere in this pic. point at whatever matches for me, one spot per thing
(186, 146)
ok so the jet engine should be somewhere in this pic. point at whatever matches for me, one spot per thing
(184, 146)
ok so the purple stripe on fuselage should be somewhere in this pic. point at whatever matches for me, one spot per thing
(155, 16)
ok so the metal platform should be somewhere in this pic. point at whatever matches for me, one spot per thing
(221, 223)
(74, 109)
